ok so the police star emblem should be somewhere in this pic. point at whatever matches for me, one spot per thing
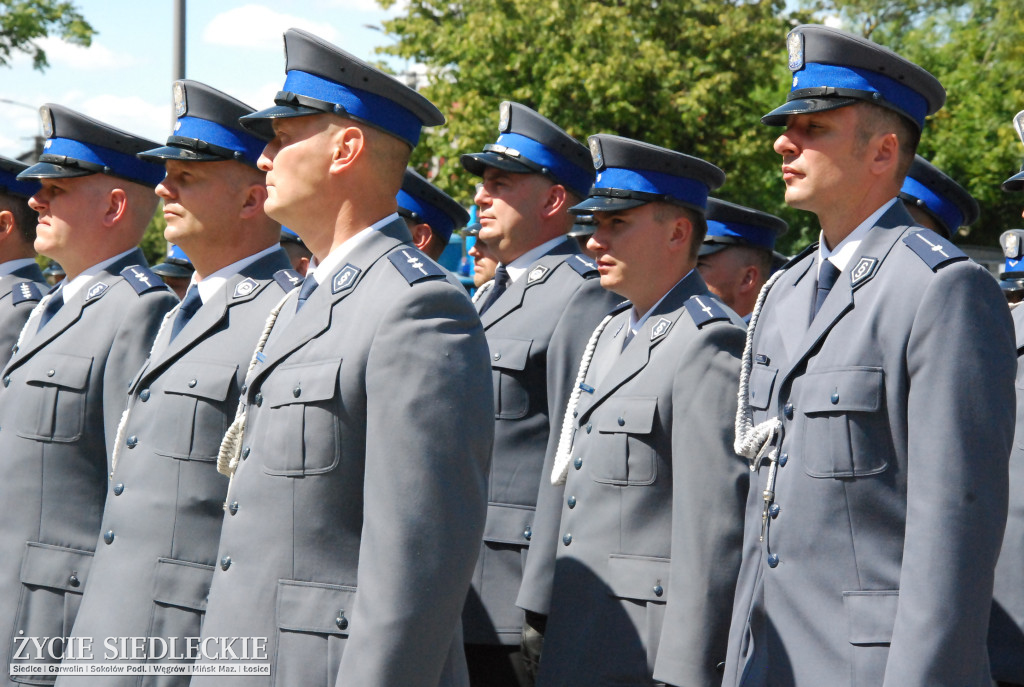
(862, 271)
(596, 153)
(795, 44)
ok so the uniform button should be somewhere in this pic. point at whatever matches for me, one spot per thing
(835, 397)
(259, 399)
(233, 508)
(7, 380)
(783, 459)
(578, 463)
(590, 426)
(773, 560)
(296, 392)
(245, 452)
(575, 413)
(773, 510)
(225, 562)
(132, 441)
(567, 539)
(118, 488)
(108, 536)
(192, 383)
(658, 590)
(787, 410)
(50, 373)
(144, 395)
(497, 356)
(74, 581)
(622, 421)
(341, 621)
(528, 534)
(571, 501)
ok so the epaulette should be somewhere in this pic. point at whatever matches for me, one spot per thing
(287, 279)
(704, 310)
(933, 249)
(142, 279)
(26, 291)
(414, 266)
(581, 263)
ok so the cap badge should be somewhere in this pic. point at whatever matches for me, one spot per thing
(1018, 124)
(504, 116)
(180, 103)
(46, 117)
(795, 43)
(595, 152)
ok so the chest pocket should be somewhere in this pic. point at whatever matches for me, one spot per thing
(508, 364)
(299, 432)
(197, 404)
(622, 450)
(762, 381)
(52, 405)
(846, 430)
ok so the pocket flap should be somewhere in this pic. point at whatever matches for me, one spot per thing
(508, 524)
(633, 415)
(60, 369)
(55, 567)
(762, 379)
(644, 578)
(183, 584)
(302, 383)
(205, 380)
(871, 615)
(509, 354)
(853, 389)
(314, 607)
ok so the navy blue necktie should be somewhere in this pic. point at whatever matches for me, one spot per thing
(309, 285)
(501, 280)
(189, 306)
(52, 306)
(827, 276)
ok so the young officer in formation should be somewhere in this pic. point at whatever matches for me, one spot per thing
(540, 308)
(877, 507)
(152, 571)
(22, 283)
(936, 201)
(649, 522)
(430, 213)
(63, 390)
(357, 503)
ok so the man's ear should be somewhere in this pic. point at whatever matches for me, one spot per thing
(117, 207)
(347, 145)
(556, 201)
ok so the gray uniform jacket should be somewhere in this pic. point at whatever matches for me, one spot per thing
(62, 396)
(357, 509)
(165, 504)
(896, 408)
(19, 292)
(536, 331)
(650, 527)
(1006, 627)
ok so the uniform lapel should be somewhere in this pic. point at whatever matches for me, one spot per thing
(537, 273)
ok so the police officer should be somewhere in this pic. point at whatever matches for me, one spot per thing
(861, 408)
(430, 213)
(63, 389)
(484, 262)
(935, 201)
(152, 571)
(176, 270)
(297, 252)
(1006, 626)
(357, 502)
(22, 284)
(538, 313)
(738, 253)
(649, 522)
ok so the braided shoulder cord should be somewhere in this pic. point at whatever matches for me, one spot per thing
(484, 288)
(34, 315)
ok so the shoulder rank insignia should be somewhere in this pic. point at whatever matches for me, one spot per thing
(287, 279)
(26, 291)
(95, 291)
(537, 274)
(660, 328)
(933, 249)
(703, 310)
(141, 279)
(863, 271)
(582, 264)
(345, 278)
(414, 266)
(245, 287)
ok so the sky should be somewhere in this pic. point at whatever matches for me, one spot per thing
(124, 78)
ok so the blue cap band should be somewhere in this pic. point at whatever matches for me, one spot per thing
(752, 234)
(122, 165)
(683, 189)
(372, 108)
(439, 222)
(219, 135)
(572, 176)
(941, 207)
(908, 101)
(1013, 266)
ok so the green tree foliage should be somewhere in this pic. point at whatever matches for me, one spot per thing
(24, 21)
(153, 243)
(694, 76)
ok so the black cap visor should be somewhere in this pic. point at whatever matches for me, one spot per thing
(1015, 183)
(169, 269)
(778, 116)
(477, 163)
(174, 153)
(606, 204)
(52, 170)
